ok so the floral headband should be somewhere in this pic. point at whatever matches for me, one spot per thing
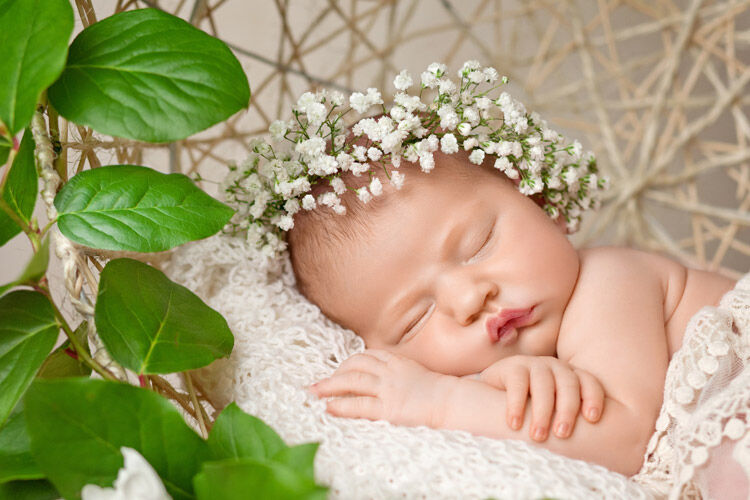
(274, 182)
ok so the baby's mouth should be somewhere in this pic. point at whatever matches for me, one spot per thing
(503, 326)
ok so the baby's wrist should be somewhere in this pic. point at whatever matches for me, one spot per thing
(446, 392)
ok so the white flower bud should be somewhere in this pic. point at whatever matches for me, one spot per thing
(464, 128)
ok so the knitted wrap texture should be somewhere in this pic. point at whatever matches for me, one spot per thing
(283, 343)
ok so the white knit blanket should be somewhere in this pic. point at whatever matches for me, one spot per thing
(283, 343)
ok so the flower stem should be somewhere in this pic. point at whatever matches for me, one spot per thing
(80, 350)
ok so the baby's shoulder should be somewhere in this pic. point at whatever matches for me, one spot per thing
(613, 265)
(620, 272)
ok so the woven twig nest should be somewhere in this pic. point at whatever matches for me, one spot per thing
(658, 90)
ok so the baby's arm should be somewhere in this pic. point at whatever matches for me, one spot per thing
(616, 441)
(378, 385)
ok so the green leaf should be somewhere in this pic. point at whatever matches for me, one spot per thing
(19, 193)
(35, 269)
(4, 152)
(28, 331)
(16, 461)
(77, 426)
(34, 38)
(60, 364)
(40, 489)
(299, 458)
(128, 207)
(153, 325)
(148, 75)
(236, 434)
(235, 478)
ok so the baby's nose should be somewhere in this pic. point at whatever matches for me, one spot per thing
(466, 297)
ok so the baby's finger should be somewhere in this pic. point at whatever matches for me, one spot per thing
(356, 407)
(517, 392)
(592, 396)
(349, 382)
(542, 388)
(496, 374)
(567, 401)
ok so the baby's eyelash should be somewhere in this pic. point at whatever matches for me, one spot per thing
(414, 324)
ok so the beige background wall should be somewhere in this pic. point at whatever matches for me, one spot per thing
(594, 69)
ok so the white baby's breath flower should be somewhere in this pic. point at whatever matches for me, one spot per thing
(336, 98)
(278, 128)
(490, 75)
(447, 87)
(429, 80)
(328, 199)
(398, 113)
(359, 102)
(464, 128)
(397, 179)
(426, 162)
(470, 143)
(135, 480)
(285, 223)
(316, 113)
(437, 69)
(403, 81)
(313, 146)
(477, 156)
(292, 206)
(476, 77)
(338, 141)
(308, 202)
(483, 102)
(304, 101)
(363, 194)
(360, 153)
(374, 153)
(376, 188)
(449, 144)
(472, 115)
(448, 118)
(373, 96)
(468, 67)
(338, 185)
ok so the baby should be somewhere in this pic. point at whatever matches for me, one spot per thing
(459, 274)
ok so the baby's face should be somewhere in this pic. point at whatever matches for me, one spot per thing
(447, 257)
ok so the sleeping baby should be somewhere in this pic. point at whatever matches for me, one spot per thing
(477, 312)
(471, 301)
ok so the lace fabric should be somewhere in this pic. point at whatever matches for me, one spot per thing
(701, 445)
(283, 343)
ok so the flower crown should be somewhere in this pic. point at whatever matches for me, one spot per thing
(274, 181)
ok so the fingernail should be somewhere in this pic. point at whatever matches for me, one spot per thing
(593, 413)
(562, 429)
(539, 433)
(515, 423)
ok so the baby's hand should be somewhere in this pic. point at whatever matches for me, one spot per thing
(379, 385)
(551, 383)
